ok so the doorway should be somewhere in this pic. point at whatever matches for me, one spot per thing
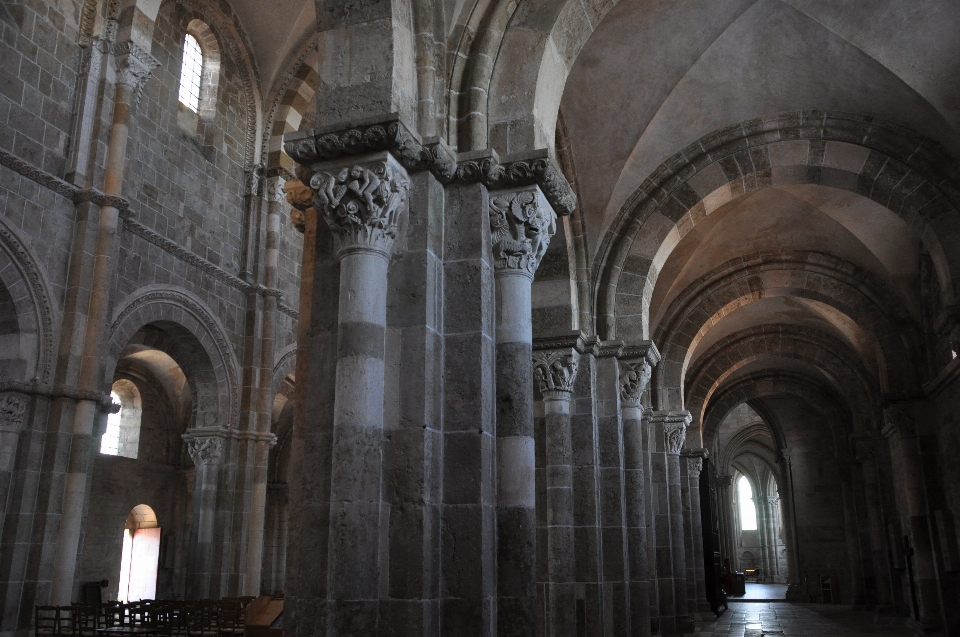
(140, 557)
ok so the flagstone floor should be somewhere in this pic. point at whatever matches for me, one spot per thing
(806, 620)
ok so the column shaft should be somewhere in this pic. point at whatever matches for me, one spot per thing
(878, 533)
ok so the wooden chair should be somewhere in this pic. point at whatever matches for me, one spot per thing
(52, 621)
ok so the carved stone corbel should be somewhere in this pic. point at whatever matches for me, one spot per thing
(521, 225)
(555, 370)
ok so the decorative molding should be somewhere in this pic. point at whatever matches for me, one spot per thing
(185, 255)
(53, 392)
(24, 260)
(274, 190)
(283, 365)
(724, 482)
(520, 229)
(362, 204)
(518, 171)
(12, 412)
(556, 370)
(63, 188)
(282, 88)
(390, 134)
(204, 317)
(134, 66)
(694, 467)
(369, 136)
(289, 311)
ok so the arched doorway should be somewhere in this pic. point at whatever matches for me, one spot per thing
(141, 554)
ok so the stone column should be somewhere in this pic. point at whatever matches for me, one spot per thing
(13, 413)
(901, 433)
(772, 504)
(362, 203)
(866, 456)
(794, 585)
(555, 371)
(725, 508)
(634, 377)
(671, 554)
(274, 195)
(133, 65)
(852, 535)
(207, 449)
(696, 578)
(521, 224)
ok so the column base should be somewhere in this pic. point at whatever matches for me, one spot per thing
(684, 624)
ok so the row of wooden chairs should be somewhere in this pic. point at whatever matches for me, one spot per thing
(203, 618)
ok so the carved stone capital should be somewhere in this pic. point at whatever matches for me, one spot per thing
(252, 179)
(724, 482)
(783, 457)
(555, 370)
(205, 448)
(362, 203)
(634, 378)
(694, 467)
(521, 224)
(275, 190)
(13, 409)
(674, 424)
(134, 65)
(899, 421)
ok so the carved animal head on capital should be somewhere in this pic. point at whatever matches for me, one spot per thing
(520, 229)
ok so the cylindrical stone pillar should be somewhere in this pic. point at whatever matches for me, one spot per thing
(901, 432)
(634, 377)
(207, 450)
(673, 433)
(725, 513)
(521, 224)
(134, 66)
(794, 586)
(362, 204)
(555, 372)
(866, 456)
(697, 592)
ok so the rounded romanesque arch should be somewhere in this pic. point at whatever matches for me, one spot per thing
(35, 321)
(827, 354)
(861, 300)
(183, 327)
(510, 69)
(892, 166)
(286, 365)
(754, 387)
(291, 98)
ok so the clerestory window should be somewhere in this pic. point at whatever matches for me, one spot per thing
(748, 510)
(122, 435)
(191, 73)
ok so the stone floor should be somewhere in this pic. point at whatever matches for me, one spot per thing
(808, 620)
(763, 591)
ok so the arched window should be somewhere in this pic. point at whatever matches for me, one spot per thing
(140, 555)
(748, 510)
(191, 73)
(122, 435)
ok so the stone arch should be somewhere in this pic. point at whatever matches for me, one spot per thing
(751, 389)
(809, 275)
(210, 81)
(29, 293)
(286, 364)
(290, 99)
(191, 335)
(745, 436)
(510, 66)
(908, 174)
(832, 357)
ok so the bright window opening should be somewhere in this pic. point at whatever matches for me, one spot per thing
(748, 511)
(122, 435)
(140, 555)
(191, 73)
